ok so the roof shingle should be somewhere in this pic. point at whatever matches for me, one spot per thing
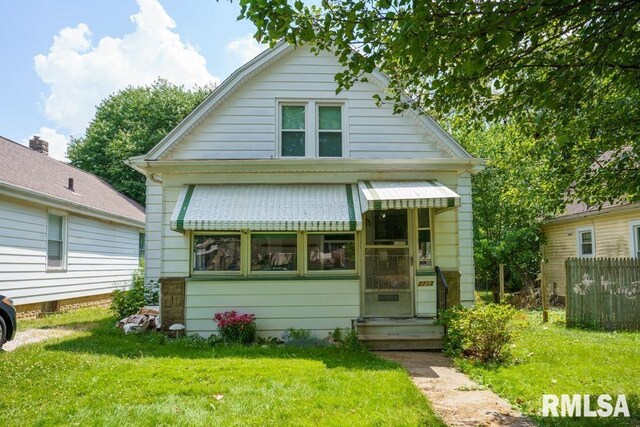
(25, 168)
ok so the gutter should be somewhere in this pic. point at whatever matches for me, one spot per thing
(610, 210)
(316, 165)
(58, 203)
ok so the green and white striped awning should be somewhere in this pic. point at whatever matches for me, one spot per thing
(377, 195)
(268, 207)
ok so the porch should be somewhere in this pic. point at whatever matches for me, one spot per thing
(323, 257)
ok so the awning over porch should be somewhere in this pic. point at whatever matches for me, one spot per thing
(376, 195)
(268, 207)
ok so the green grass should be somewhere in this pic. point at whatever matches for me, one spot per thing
(98, 376)
(77, 319)
(553, 359)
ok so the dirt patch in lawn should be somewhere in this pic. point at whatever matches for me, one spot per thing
(455, 398)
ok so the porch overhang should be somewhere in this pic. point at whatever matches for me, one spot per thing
(377, 195)
(268, 207)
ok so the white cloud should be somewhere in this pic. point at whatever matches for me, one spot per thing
(81, 74)
(57, 142)
(246, 47)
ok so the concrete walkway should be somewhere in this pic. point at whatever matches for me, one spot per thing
(31, 336)
(455, 398)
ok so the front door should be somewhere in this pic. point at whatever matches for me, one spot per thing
(387, 264)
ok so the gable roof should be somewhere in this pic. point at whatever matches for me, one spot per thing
(35, 175)
(253, 68)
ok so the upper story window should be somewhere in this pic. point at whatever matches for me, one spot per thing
(56, 242)
(293, 139)
(311, 129)
(329, 131)
(586, 242)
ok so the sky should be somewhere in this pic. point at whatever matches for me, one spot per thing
(59, 59)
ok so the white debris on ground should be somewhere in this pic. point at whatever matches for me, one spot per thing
(31, 336)
(146, 319)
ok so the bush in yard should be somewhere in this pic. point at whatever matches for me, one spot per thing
(483, 332)
(235, 327)
(126, 302)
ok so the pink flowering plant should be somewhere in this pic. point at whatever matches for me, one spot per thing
(235, 327)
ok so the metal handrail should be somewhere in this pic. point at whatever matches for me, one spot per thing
(440, 298)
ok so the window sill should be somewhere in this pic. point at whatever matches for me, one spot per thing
(266, 278)
(56, 270)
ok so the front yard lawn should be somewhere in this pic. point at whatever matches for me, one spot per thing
(552, 359)
(98, 376)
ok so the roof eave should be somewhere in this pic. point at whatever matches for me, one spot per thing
(58, 203)
(317, 165)
(580, 215)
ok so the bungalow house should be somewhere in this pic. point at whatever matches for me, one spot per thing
(66, 236)
(310, 209)
(586, 231)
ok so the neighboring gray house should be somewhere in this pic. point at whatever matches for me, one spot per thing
(66, 236)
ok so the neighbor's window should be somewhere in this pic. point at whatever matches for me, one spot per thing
(636, 240)
(274, 252)
(216, 252)
(330, 131)
(293, 131)
(55, 241)
(425, 253)
(585, 242)
(331, 252)
(141, 245)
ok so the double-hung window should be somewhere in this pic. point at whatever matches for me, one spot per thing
(311, 129)
(329, 131)
(56, 245)
(293, 128)
(586, 242)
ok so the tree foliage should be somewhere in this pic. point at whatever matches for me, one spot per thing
(129, 123)
(567, 69)
(509, 199)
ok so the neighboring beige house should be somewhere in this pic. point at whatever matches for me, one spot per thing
(66, 236)
(583, 231)
(312, 210)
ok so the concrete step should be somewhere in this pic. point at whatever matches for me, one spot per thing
(431, 341)
(398, 326)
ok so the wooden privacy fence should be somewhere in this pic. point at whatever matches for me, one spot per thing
(603, 292)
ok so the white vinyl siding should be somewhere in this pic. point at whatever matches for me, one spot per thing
(246, 124)
(99, 255)
(317, 305)
(153, 231)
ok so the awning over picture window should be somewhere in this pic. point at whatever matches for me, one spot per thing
(268, 207)
(377, 195)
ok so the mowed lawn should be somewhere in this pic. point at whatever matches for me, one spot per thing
(553, 359)
(98, 376)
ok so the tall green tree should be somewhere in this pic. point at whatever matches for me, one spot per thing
(510, 198)
(568, 69)
(129, 123)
